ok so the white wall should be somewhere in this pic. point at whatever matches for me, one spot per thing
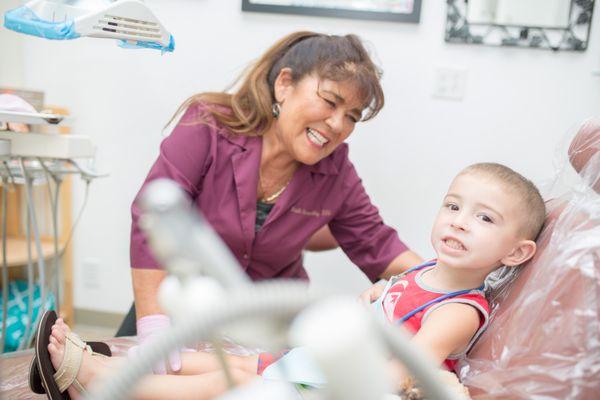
(11, 52)
(518, 105)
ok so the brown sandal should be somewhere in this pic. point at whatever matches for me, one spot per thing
(35, 380)
(55, 382)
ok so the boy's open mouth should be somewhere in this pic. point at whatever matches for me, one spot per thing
(454, 244)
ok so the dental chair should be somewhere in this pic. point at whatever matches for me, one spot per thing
(544, 341)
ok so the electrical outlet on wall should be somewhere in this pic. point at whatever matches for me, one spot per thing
(91, 273)
(449, 83)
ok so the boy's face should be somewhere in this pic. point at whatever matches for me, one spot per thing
(478, 224)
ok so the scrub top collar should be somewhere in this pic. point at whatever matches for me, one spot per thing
(245, 167)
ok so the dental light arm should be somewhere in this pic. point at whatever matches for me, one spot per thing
(342, 339)
(348, 342)
(417, 362)
(337, 332)
(202, 268)
(182, 240)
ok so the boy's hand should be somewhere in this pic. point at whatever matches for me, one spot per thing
(372, 293)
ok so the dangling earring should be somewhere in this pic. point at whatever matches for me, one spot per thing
(276, 109)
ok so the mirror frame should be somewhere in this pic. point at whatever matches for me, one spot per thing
(573, 38)
(345, 9)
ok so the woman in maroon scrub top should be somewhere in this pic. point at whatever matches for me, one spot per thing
(268, 168)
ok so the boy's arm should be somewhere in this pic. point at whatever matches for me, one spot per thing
(447, 330)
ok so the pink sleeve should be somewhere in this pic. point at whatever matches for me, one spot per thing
(360, 230)
(184, 157)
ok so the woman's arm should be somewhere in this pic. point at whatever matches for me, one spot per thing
(322, 240)
(401, 263)
(145, 290)
(398, 265)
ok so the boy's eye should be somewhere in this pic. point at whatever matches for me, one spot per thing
(452, 206)
(485, 218)
(353, 118)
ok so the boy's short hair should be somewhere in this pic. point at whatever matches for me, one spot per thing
(534, 209)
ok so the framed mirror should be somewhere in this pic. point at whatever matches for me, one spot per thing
(545, 24)
(380, 10)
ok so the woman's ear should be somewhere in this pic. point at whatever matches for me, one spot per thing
(283, 84)
(523, 251)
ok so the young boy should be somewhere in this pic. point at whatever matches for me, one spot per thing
(490, 217)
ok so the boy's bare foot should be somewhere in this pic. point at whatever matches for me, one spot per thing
(91, 366)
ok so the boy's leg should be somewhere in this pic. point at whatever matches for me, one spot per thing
(203, 362)
(205, 386)
(182, 387)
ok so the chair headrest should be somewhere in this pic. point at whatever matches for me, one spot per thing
(584, 152)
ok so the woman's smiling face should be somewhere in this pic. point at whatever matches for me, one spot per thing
(316, 115)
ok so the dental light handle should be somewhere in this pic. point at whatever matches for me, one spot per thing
(181, 299)
(343, 338)
(182, 240)
(419, 363)
(338, 334)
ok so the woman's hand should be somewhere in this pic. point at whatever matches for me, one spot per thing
(372, 293)
(148, 328)
(151, 320)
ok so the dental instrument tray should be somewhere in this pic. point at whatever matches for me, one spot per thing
(49, 145)
(31, 118)
(130, 21)
(45, 145)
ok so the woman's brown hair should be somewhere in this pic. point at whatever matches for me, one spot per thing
(248, 110)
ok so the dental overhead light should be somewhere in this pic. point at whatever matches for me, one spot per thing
(130, 21)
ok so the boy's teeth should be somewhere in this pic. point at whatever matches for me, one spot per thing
(454, 244)
(316, 138)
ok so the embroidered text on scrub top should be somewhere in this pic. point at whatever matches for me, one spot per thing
(311, 213)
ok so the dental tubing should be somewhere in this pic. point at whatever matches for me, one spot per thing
(54, 198)
(280, 300)
(4, 264)
(32, 222)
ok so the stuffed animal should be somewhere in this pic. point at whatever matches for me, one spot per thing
(410, 389)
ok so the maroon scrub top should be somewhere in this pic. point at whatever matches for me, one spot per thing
(219, 171)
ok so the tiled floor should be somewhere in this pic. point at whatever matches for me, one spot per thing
(94, 333)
